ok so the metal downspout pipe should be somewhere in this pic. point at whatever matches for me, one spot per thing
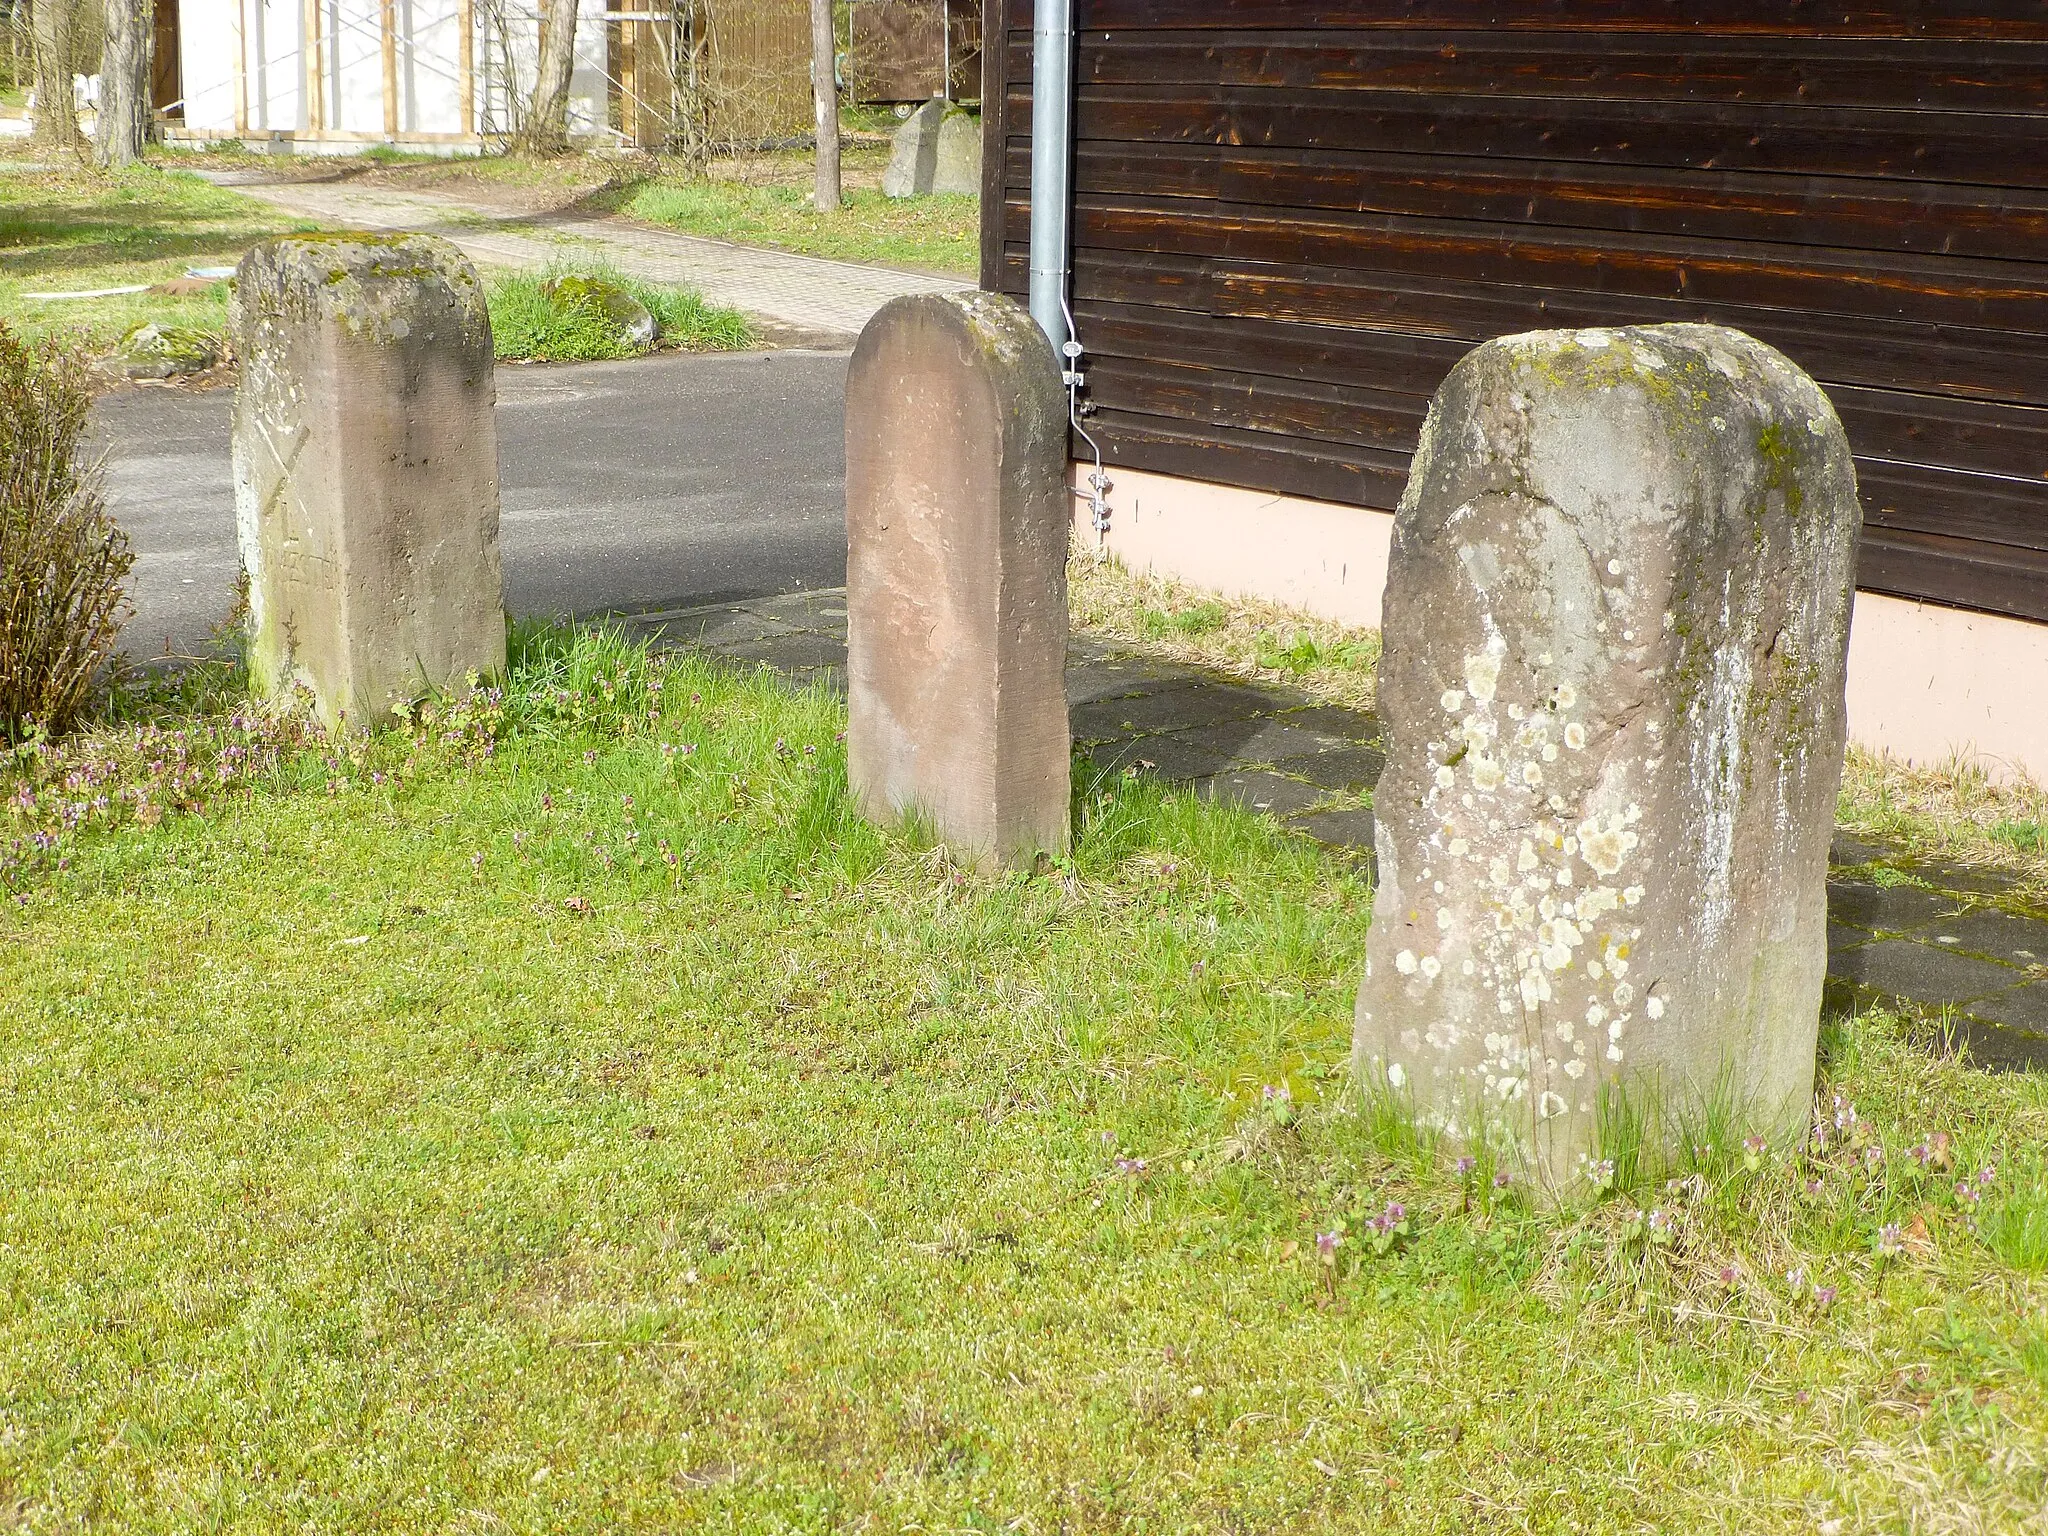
(1052, 160)
(1052, 203)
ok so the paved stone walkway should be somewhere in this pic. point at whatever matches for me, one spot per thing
(1949, 940)
(808, 293)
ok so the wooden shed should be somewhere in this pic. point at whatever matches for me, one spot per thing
(1291, 216)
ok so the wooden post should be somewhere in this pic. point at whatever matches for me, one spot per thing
(241, 75)
(315, 104)
(465, 67)
(388, 21)
(629, 81)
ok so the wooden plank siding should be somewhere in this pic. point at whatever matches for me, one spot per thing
(1291, 218)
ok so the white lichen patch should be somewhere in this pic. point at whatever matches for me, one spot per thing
(1482, 675)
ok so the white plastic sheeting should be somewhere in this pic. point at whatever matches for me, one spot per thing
(245, 69)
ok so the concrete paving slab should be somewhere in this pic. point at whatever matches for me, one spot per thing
(1343, 829)
(1090, 680)
(799, 650)
(1164, 757)
(1185, 705)
(1332, 720)
(1265, 739)
(1890, 909)
(2023, 1008)
(1995, 934)
(1356, 769)
(1931, 976)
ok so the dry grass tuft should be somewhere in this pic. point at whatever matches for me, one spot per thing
(1954, 810)
(1246, 637)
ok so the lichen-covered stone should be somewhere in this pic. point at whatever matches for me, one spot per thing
(633, 324)
(938, 149)
(1616, 619)
(154, 350)
(956, 585)
(366, 470)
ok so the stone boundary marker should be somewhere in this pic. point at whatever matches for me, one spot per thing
(366, 470)
(956, 584)
(1616, 622)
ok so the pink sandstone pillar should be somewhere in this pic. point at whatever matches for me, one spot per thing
(956, 545)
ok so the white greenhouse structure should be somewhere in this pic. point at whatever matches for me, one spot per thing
(453, 76)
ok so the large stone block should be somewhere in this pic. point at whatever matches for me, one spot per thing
(366, 469)
(1616, 619)
(938, 149)
(956, 584)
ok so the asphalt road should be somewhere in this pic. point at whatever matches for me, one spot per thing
(625, 487)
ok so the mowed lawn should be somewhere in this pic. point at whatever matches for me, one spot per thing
(76, 230)
(565, 1116)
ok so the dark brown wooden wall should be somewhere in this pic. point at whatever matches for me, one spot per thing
(1291, 219)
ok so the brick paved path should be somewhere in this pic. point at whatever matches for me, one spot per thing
(809, 293)
(1942, 938)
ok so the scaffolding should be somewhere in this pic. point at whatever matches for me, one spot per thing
(678, 76)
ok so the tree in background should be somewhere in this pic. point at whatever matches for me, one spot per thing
(124, 116)
(546, 129)
(53, 35)
(825, 99)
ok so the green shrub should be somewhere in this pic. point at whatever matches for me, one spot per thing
(535, 317)
(62, 559)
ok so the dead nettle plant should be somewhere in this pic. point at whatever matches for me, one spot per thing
(63, 560)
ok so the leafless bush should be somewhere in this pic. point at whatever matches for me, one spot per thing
(62, 559)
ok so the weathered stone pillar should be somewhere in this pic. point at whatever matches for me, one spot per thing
(366, 469)
(956, 578)
(1616, 619)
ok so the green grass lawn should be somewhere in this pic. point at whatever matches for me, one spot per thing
(72, 230)
(80, 230)
(565, 1116)
(938, 234)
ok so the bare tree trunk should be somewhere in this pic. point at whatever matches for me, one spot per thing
(123, 126)
(825, 97)
(56, 114)
(546, 129)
